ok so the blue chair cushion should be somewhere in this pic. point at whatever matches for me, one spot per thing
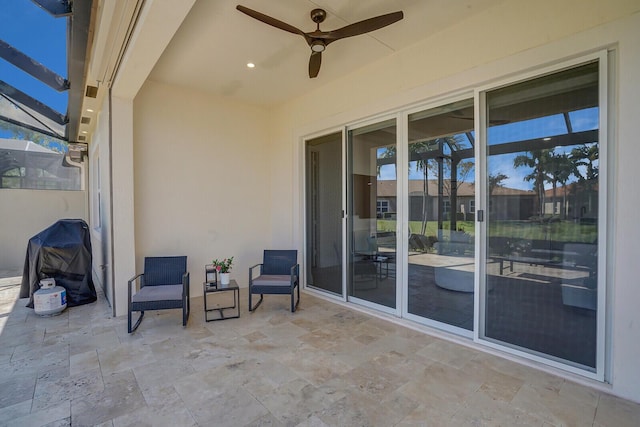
(158, 293)
(272, 284)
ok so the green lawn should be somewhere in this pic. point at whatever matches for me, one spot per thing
(561, 231)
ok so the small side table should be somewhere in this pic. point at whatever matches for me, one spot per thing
(209, 289)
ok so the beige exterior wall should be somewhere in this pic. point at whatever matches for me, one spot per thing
(25, 213)
(202, 167)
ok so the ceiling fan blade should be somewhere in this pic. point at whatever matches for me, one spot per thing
(365, 26)
(269, 20)
(314, 64)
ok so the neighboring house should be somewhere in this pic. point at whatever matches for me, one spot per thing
(577, 201)
(511, 203)
(24, 164)
(505, 203)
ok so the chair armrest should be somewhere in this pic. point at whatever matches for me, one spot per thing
(295, 271)
(135, 277)
(185, 285)
(251, 272)
(130, 282)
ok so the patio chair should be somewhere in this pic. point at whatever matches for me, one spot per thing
(279, 274)
(163, 285)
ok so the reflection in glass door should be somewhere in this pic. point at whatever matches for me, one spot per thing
(324, 213)
(441, 193)
(543, 213)
(372, 202)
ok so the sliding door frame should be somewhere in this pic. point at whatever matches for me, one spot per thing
(478, 92)
(603, 223)
(343, 165)
(397, 117)
(403, 241)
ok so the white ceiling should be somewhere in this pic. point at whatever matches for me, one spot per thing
(215, 42)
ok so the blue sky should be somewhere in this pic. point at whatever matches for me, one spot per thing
(549, 126)
(30, 29)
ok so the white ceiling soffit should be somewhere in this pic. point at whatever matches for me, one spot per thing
(215, 42)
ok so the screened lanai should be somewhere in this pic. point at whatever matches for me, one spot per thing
(43, 60)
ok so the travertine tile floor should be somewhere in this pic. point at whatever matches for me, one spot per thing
(325, 365)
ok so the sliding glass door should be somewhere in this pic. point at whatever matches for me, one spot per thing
(441, 204)
(372, 202)
(543, 241)
(324, 213)
(482, 216)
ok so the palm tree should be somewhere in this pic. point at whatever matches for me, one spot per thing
(586, 158)
(563, 170)
(423, 152)
(538, 161)
(452, 167)
(495, 181)
(422, 164)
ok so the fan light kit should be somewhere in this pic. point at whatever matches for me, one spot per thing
(319, 40)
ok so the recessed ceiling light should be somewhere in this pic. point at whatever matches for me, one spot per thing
(251, 65)
(89, 110)
(84, 131)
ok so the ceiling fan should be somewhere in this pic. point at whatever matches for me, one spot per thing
(319, 40)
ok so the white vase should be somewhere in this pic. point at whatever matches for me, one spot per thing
(224, 278)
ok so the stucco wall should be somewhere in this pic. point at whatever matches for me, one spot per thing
(201, 169)
(25, 213)
(512, 39)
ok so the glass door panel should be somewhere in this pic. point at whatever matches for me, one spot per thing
(542, 219)
(324, 213)
(372, 202)
(441, 192)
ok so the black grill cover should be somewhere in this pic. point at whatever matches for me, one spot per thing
(62, 252)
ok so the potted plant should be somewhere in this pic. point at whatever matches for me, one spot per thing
(224, 268)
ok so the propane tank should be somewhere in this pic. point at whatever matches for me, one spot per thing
(49, 300)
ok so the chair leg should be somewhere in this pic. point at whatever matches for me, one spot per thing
(258, 304)
(137, 321)
(294, 307)
(186, 308)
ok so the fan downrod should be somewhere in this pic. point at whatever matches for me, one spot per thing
(318, 15)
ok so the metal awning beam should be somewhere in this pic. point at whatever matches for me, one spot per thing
(33, 67)
(31, 103)
(57, 8)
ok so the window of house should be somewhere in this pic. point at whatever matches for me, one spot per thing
(382, 206)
